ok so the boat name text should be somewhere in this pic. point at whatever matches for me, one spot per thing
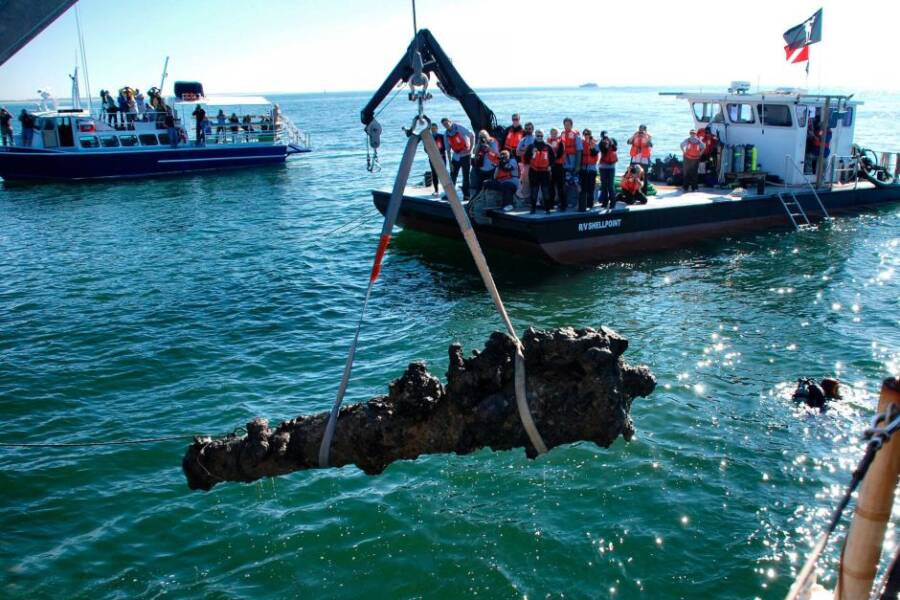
(605, 224)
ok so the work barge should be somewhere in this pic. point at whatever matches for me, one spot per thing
(787, 185)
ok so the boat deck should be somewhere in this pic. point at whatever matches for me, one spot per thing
(666, 197)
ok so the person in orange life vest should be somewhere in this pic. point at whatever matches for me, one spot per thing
(571, 142)
(506, 179)
(460, 141)
(608, 159)
(526, 141)
(587, 175)
(557, 170)
(641, 149)
(513, 135)
(540, 158)
(632, 185)
(693, 149)
(441, 143)
(487, 156)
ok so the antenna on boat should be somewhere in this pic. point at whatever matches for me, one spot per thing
(76, 94)
(87, 79)
(162, 79)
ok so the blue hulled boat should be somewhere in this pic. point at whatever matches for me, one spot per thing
(74, 144)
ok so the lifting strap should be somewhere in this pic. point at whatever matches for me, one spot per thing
(390, 218)
(468, 233)
(465, 226)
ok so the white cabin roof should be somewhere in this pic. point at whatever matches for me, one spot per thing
(791, 96)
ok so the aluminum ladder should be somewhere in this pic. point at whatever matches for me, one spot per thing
(794, 210)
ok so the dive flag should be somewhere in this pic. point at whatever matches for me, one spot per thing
(797, 55)
(806, 33)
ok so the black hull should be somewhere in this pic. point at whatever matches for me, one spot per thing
(35, 165)
(583, 238)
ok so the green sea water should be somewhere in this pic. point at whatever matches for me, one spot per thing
(191, 305)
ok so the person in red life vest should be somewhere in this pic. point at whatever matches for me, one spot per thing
(632, 185)
(460, 141)
(571, 142)
(441, 143)
(506, 179)
(513, 135)
(557, 170)
(608, 158)
(587, 175)
(487, 156)
(692, 148)
(641, 149)
(540, 157)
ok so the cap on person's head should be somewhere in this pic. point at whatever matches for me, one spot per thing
(693, 131)
(516, 117)
(603, 133)
(483, 134)
(642, 127)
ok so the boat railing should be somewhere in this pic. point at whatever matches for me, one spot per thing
(843, 169)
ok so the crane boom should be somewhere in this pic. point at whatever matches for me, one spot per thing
(449, 80)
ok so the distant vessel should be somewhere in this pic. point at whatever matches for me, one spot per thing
(588, 85)
(71, 144)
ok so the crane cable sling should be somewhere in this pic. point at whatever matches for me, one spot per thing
(465, 225)
(876, 436)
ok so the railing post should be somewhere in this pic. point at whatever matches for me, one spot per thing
(862, 549)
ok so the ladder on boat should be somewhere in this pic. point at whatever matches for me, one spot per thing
(789, 205)
(794, 210)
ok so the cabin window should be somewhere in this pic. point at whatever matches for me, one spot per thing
(848, 117)
(740, 113)
(90, 141)
(128, 140)
(109, 141)
(49, 125)
(708, 112)
(776, 115)
(164, 139)
(148, 139)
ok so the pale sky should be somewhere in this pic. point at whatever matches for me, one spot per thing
(336, 45)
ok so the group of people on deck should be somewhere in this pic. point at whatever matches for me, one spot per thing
(526, 162)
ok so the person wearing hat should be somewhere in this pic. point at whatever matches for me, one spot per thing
(607, 167)
(692, 148)
(641, 148)
(506, 179)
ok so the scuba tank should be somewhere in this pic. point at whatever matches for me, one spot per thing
(751, 163)
(737, 159)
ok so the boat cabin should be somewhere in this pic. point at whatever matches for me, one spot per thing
(785, 128)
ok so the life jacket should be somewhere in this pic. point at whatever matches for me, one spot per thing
(692, 152)
(556, 144)
(512, 140)
(540, 159)
(610, 157)
(568, 140)
(588, 157)
(631, 183)
(489, 154)
(458, 142)
(439, 142)
(640, 145)
(504, 173)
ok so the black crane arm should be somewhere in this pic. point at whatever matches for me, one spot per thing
(449, 81)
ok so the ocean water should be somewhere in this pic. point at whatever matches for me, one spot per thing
(191, 305)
